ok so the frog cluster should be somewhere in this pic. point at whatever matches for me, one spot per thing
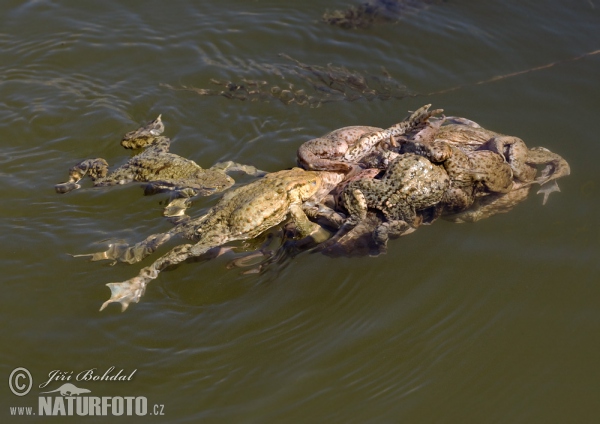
(438, 167)
(356, 188)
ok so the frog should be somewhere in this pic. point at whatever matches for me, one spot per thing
(469, 136)
(160, 169)
(241, 214)
(472, 173)
(411, 184)
(341, 150)
(480, 161)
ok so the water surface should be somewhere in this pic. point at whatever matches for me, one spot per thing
(494, 322)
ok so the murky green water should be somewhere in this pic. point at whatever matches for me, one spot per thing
(493, 322)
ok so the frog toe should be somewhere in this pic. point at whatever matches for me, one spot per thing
(548, 188)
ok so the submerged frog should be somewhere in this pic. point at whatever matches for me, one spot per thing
(487, 206)
(341, 150)
(241, 214)
(163, 171)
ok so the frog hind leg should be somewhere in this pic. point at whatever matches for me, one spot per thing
(390, 228)
(96, 169)
(306, 227)
(556, 167)
(119, 252)
(130, 291)
(356, 204)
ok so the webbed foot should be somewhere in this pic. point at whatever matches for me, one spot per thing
(126, 292)
(548, 188)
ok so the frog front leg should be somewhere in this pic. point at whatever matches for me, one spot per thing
(94, 168)
(184, 190)
(319, 212)
(306, 227)
(179, 201)
(394, 229)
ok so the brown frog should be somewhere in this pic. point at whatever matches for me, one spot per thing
(480, 161)
(241, 214)
(341, 150)
(468, 136)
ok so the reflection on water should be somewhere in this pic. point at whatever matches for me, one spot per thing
(498, 318)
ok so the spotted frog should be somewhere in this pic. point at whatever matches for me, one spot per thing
(410, 184)
(341, 150)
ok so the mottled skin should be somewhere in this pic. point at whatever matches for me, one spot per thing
(156, 166)
(410, 184)
(241, 214)
(327, 152)
(341, 150)
(513, 149)
(523, 161)
(481, 161)
(472, 174)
